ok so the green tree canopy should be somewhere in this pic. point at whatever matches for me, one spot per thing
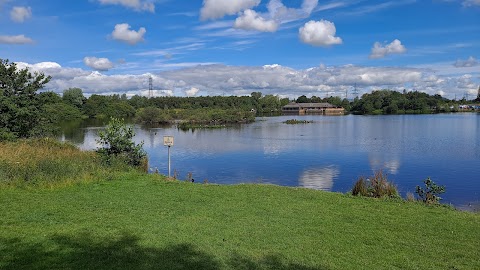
(19, 102)
(74, 97)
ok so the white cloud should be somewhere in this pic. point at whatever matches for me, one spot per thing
(215, 9)
(269, 79)
(470, 62)
(134, 4)
(20, 14)
(192, 92)
(101, 64)
(379, 51)
(319, 33)
(19, 39)
(468, 3)
(278, 11)
(250, 20)
(123, 33)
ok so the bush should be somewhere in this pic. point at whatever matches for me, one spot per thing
(377, 186)
(118, 144)
(430, 193)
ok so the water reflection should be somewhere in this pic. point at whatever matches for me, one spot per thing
(411, 147)
(319, 178)
(384, 163)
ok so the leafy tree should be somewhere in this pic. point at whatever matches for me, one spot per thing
(303, 99)
(256, 95)
(117, 141)
(74, 97)
(19, 102)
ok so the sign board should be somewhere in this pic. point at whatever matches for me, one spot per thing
(168, 140)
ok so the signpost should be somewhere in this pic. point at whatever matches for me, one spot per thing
(168, 141)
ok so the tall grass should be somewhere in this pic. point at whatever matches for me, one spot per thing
(377, 186)
(50, 162)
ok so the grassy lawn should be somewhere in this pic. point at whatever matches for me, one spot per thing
(137, 221)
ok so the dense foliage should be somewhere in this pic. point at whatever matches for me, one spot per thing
(393, 102)
(21, 112)
(118, 144)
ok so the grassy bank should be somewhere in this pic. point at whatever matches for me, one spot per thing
(138, 221)
(47, 162)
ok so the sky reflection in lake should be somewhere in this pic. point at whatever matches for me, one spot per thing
(329, 154)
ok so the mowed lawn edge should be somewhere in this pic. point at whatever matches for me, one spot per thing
(139, 221)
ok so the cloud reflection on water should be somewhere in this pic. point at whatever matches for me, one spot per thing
(319, 178)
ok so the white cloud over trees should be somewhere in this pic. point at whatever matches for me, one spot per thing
(242, 80)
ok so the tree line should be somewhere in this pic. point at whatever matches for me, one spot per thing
(25, 111)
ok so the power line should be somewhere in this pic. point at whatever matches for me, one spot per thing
(150, 86)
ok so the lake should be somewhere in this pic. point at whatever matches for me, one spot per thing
(328, 154)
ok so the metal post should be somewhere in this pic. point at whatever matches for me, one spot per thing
(169, 161)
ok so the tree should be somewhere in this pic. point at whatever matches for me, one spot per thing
(303, 99)
(74, 97)
(19, 102)
(117, 141)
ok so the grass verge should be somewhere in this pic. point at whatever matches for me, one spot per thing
(143, 222)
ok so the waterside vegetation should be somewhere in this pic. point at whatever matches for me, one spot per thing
(81, 214)
(26, 112)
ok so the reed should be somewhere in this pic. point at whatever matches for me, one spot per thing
(47, 162)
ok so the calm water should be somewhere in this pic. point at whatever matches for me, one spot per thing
(329, 154)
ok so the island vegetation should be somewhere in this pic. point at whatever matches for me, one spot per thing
(296, 122)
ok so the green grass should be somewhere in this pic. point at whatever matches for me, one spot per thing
(62, 209)
(144, 222)
(47, 162)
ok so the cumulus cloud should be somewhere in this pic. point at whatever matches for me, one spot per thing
(319, 33)
(380, 51)
(192, 92)
(470, 62)
(101, 64)
(269, 79)
(278, 11)
(215, 9)
(19, 39)
(468, 3)
(123, 33)
(250, 20)
(277, 14)
(20, 14)
(137, 5)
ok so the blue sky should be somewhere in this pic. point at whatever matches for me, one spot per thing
(233, 47)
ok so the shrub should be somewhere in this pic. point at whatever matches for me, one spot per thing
(360, 187)
(430, 193)
(118, 144)
(377, 186)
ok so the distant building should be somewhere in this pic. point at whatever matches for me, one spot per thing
(312, 108)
